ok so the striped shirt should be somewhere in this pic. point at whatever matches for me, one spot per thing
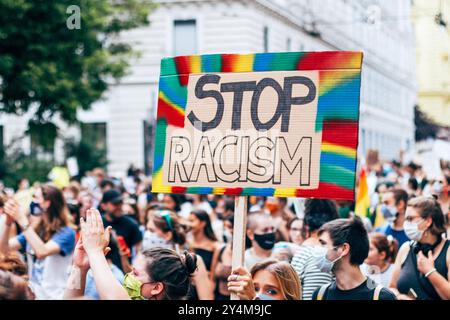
(310, 276)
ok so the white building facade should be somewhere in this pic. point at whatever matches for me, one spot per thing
(178, 27)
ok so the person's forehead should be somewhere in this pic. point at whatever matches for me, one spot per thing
(411, 212)
(139, 263)
(325, 237)
(265, 278)
(265, 222)
(297, 223)
(388, 196)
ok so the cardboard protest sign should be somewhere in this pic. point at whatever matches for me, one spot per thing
(270, 124)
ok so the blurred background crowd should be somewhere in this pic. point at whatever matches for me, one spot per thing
(278, 229)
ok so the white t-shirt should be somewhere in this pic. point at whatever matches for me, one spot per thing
(251, 259)
(48, 276)
(382, 278)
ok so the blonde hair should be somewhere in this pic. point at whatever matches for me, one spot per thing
(285, 275)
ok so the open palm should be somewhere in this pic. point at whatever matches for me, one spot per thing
(80, 257)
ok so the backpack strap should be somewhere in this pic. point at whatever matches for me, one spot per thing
(322, 291)
(376, 292)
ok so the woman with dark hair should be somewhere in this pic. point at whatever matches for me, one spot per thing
(164, 229)
(204, 242)
(317, 213)
(173, 202)
(221, 264)
(422, 267)
(48, 244)
(158, 273)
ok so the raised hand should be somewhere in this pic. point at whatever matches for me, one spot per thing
(94, 236)
(13, 212)
(240, 282)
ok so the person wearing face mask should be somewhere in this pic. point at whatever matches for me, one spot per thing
(393, 209)
(48, 244)
(221, 264)
(317, 213)
(422, 267)
(158, 274)
(165, 230)
(261, 232)
(121, 223)
(267, 280)
(281, 215)
(380, 261)
(345, 246)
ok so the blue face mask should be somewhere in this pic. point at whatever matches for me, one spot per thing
(389, 212)
(263, 296)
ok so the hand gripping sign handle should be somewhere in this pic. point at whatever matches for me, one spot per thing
(239, 231)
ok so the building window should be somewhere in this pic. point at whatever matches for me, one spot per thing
(94, 135)
(149, 133)
(266, 39)
(41, 147)
(184, 37)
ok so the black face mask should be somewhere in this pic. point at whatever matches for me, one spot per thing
(266, 241)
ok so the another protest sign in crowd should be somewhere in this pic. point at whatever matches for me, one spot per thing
(99, 237)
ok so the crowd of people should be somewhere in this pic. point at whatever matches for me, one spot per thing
(99, 237)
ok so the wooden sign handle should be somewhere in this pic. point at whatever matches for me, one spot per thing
(239, 231)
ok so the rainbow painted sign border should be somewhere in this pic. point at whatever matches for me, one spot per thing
(337, 114)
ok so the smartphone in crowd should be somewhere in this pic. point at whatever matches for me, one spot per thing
(123, 246)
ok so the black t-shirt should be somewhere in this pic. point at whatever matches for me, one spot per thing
(365, 291)
(127, 228)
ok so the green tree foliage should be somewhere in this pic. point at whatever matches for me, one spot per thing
(425, 127)
(16, 165)
(50, 69)
(88, 157)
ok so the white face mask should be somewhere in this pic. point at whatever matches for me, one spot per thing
(152, 240)
(412, 230)
(322, 262)
(228, 236)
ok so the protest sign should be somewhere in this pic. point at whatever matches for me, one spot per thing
(269, 124)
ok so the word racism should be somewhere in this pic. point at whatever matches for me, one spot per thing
(243, 129)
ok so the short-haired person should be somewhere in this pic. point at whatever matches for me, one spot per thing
(267, 280)
(393, 209)
(379, 264)
(122, 224)
(261, 232)
(422, 267)
(345, 246)
(158, 274)
(317, 213)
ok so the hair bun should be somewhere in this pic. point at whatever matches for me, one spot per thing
(189, 261)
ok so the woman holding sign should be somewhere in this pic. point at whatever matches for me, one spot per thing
(268, 280)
